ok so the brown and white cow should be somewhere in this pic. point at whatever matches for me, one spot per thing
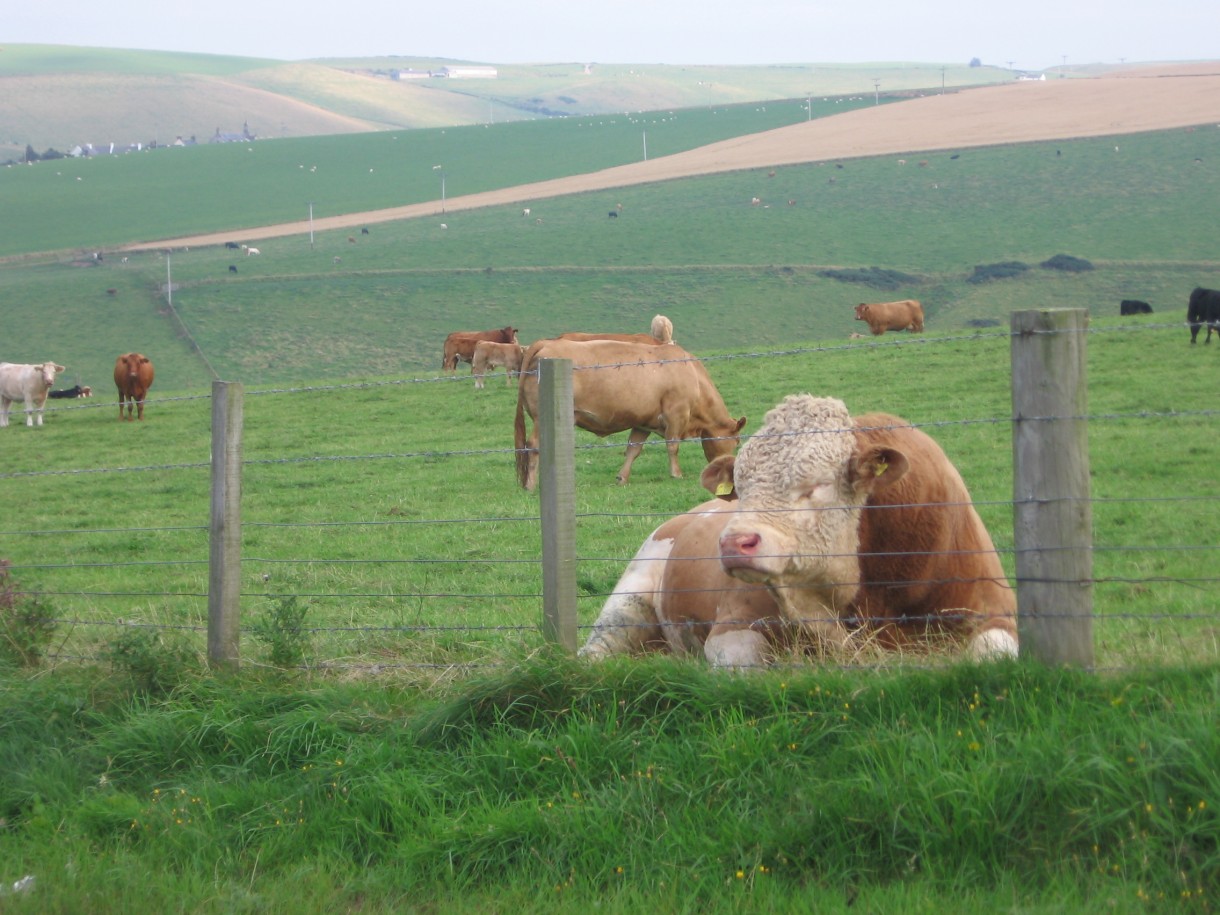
(28, 383)
(488, 355)
(843, 531)
(459, 345)
(906, 314)
(619, 386)
(133, 376)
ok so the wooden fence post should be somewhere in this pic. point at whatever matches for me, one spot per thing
(224, 550)
(1052, 514)
(557, 498)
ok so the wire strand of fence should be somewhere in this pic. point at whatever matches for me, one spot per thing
(605, 444)
(105, 530)
(894, 342)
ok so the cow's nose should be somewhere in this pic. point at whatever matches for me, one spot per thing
(740, 544)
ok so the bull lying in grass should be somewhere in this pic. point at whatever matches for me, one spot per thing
(828, 531)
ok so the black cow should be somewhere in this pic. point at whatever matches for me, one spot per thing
(232, 268)
(1134, 307)
(77, 391)
(613, 214)
(364, 231)
(1204, 308)
(232, 245)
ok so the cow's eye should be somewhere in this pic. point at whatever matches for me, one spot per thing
(821, 493)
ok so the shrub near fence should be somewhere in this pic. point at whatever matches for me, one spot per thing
(411, 545)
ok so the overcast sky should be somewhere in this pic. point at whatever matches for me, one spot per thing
(1033, 34)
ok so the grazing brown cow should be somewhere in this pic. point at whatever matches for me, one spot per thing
(618, 386)
(843, 530)
(906, 314)
(488, 355)
(133, 376)
(459, 345)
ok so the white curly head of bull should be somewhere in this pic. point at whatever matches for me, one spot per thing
(801, 483)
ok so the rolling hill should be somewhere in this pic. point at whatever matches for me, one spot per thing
(1131, 102)
(54, 97)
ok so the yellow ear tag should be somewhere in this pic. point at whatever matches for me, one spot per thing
(881, 467)
(724, 488)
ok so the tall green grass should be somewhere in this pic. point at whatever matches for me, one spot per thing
(630, 787)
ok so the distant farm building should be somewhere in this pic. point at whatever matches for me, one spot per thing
(244, 137)
(466, 72)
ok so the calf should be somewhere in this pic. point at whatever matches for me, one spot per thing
(843, 531)
(459, 345)
(68, 393)
(906, 314)
(28, 383)
(1134, 307)
(488, 355)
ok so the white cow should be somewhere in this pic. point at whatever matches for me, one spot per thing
(29, 383)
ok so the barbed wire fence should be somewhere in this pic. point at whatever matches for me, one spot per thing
(547, 602)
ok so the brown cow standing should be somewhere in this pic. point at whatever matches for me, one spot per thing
(619, 386)
(133, 376)
(459, 345)
(906, 314)
(843, 528)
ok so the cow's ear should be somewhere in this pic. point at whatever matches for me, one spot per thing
(717, 478)
(741, 424)
(877, 468)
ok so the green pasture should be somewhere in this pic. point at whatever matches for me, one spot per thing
(727, 273)
(390, 506)
(105, 201)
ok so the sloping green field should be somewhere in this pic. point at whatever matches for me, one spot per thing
(725, 272)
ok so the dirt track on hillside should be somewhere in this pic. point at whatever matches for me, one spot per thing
(1133, 102)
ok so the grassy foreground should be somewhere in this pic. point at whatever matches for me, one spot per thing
(635, 787)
